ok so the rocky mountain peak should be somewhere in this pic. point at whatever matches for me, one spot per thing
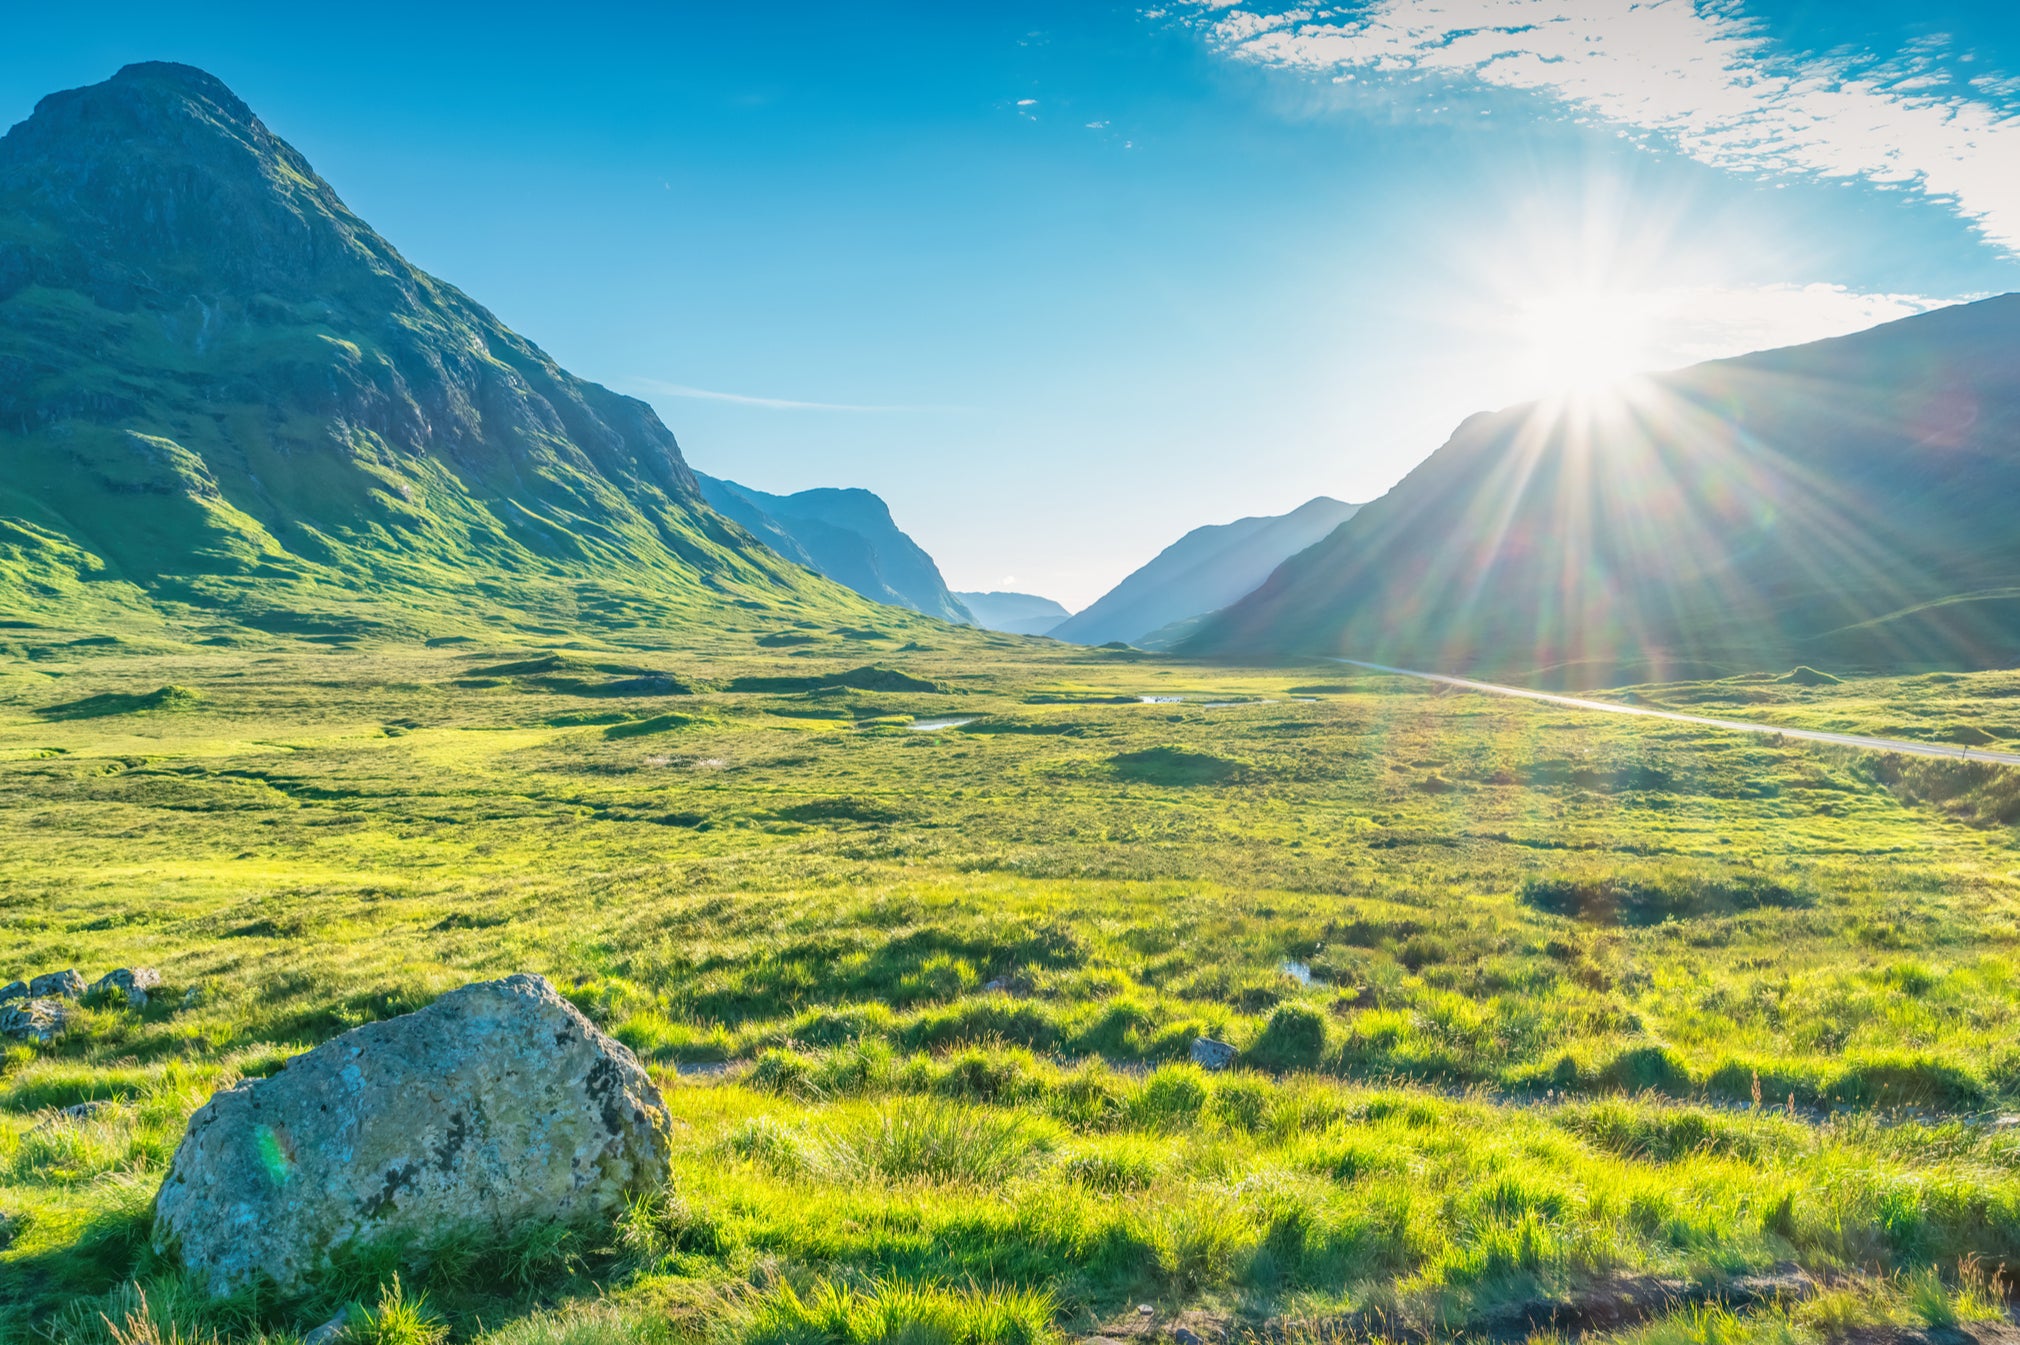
(160, 183)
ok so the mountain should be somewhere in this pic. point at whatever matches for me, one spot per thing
(1013, 613)
(1847, 504)
(1202, 572)
(847, 535)
(221, 393)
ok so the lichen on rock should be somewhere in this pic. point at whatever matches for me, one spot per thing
(496, 1106)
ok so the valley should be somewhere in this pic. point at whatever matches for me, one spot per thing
(467, 877)
(1626, 999)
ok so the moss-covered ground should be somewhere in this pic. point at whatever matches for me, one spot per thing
(1533, 1005)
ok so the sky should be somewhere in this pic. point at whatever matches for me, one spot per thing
(1062, 281)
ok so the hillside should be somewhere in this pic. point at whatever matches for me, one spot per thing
(847, 535)
(1013, 613)
(1847, 504)
(1202, 572)
(222, 394)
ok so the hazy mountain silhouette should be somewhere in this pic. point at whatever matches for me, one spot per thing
(1201, 572)
(220, 388)
(1849, 504)
(847, 535)
(1013, 613)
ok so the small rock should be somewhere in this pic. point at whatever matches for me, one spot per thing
(10, 1227)
(75, 1112)
(999, 986)
(497, 1106)
(38, 1020)
(1145, 1310)
(12, 991)
(1185, 1335)
(64, 984)
(1210, 1054)
(131, 982)
(338, 1328)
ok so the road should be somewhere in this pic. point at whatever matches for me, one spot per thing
(1914, 749)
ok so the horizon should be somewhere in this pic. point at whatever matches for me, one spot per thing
(1518, 839)
(1047, 250)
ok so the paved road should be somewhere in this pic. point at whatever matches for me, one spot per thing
(1915, 749)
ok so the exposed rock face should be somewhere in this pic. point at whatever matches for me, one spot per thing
(131, 982)
(1210, 1054)
(68, 984)
(13, 990)
(37, 1020)
(495, 1106)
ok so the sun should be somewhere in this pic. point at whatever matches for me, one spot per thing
(1582, 341)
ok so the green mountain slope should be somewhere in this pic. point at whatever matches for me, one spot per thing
(222, 394)
(1201, 572)
(847, 535)
(1849, 503)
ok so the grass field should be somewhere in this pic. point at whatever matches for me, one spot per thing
(1534, 1006)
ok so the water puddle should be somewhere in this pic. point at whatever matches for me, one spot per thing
(1299, 971)
(935, 725)
(1162, 700)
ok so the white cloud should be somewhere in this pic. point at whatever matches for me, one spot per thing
(1711, 322)
(654, 385)
(1583, 338)
(1697, 73)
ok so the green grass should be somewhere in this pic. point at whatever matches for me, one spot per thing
(1577, 1000)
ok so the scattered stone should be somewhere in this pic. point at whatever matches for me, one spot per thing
(131, 982)
(10, 1228)
(73, 1114)
(999, 986)
(497, 1106)
(38, 1020)
(337, 1329)
(1145, 1310)
(12, 991)
(64, 984)
(1185, 1335)
(1210, 1054)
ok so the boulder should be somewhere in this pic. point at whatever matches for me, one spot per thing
(1210, 1054)
(12, 991)
(498, 1105)
(38, 1020)
(64, 984)
(131, 983)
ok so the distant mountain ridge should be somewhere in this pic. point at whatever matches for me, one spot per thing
(847, 535)
(1013, 613)
(1202, 572)
(1848, 504)
(221, 391)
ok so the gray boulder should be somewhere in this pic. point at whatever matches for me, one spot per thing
(38, 1020)
(496, 1106)
(1210, 1054)
(66, 984)
(12, 991)
(131, 983)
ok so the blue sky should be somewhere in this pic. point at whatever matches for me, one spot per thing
(1062, 281)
